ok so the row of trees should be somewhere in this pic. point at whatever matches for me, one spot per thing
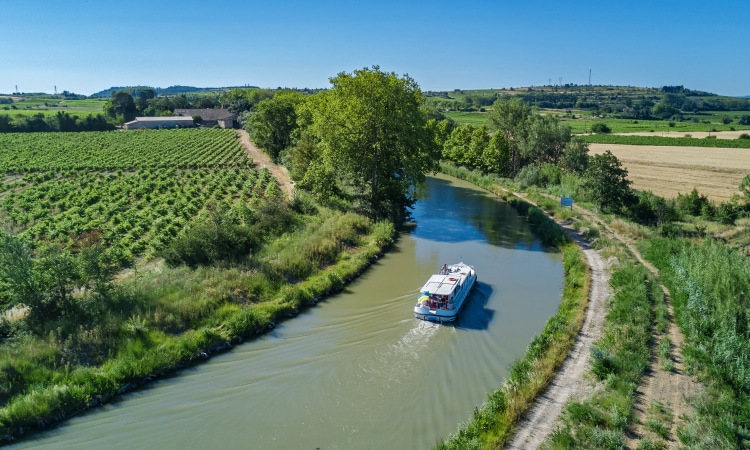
(368, 141)
(536, 149)
(62, 121)
(123, 106)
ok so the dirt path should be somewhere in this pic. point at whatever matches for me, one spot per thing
(661, 394)
(570, 382)
(262, 161)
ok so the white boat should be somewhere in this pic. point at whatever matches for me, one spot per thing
(442, 297)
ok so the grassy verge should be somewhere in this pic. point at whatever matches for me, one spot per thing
(492, 424)
(619, 359)
(667, 141)
(709, 282)
(162, 320)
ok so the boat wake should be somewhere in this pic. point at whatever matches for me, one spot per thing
(416, 340)
(396, 363)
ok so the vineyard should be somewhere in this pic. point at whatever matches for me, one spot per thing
(137, 190)
(185, 149)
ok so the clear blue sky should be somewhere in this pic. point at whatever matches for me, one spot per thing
(86, 46)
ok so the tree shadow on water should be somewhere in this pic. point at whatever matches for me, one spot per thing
(475, 315)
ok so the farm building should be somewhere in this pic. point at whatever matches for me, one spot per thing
(211, 117)
(159, 122)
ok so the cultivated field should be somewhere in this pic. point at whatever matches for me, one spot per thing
(667, 171)
(136, 189)
(696, 134)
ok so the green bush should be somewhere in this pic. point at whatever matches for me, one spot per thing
(600, 128)
(529, 176)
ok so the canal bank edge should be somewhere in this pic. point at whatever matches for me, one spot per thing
(494, 423)
(195, 346)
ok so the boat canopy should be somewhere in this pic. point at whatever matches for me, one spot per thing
(440, 284)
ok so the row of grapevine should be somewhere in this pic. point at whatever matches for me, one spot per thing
(140, 202)
(188, 148)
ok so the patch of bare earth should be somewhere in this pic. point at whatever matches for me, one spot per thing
(570, 382)
(262, 161)
(661, 394)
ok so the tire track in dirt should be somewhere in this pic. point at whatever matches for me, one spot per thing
(668, 389)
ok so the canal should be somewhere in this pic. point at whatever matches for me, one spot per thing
(358, 370)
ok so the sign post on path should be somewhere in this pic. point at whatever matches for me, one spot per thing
(566, 201)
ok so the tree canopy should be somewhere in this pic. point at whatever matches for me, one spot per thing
(607, 182)
(373, 130)
(273, 122)
(121, 107)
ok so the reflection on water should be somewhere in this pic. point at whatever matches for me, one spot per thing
(453, 213)
(358, 370)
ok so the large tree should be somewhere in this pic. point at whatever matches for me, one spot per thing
(513, 119)
(373, 130)
(274, 121)
(607, 182)
(121, 107)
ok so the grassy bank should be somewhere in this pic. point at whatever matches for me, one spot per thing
(709, 282)
(492, 424)
(159, 319)
(619, 359)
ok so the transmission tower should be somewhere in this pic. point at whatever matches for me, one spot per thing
(589, 77)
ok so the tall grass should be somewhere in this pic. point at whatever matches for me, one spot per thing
(710, 282)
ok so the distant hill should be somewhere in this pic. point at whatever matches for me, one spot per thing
(171, 90)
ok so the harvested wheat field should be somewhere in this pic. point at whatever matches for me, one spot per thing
(667, 171)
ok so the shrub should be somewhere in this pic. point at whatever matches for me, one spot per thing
(549, 174)
(727, 213)
(600, 128)
(219, 237)
(528, 176)
(744, 136)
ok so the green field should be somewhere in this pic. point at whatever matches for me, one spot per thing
(136, 189)
(583, 125)
(667, 141)
(467, 118)
(49, 105)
